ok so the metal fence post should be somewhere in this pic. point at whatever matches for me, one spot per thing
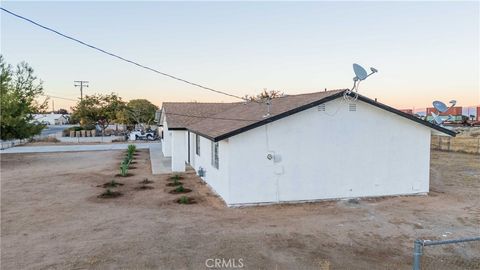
(417, 254)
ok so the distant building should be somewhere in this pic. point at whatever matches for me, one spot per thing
(51, 119)
(478, 113)
(409, 111)
(455, 112)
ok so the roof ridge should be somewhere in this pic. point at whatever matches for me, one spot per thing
(192, 102)
(311, 93)
(218, 115)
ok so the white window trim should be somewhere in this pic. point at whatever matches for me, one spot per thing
(215, 157)
(197, 145)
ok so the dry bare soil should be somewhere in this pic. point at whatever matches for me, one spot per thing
(51, 218)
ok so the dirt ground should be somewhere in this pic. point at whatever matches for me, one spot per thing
(51, 218)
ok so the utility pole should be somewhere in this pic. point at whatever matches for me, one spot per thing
(81, 84)
(53, 106)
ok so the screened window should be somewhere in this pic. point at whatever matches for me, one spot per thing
(215, 154)
(197, 144)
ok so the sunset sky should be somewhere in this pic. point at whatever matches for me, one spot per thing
(423, 50)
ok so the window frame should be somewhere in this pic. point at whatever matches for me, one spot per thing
(197, 144)
(215, 157)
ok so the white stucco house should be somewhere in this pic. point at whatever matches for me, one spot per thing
(51, 119)
(310, 147)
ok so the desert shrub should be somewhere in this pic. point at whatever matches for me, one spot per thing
(113, 183)
(109, 194)
(185, 200)
(146, 181)
(180, 189)
(131, 148)
(124, 169)
(176, 177)
(176, 182)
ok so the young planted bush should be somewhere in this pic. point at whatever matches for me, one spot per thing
(131, 149)
(176, 182)
(176, 177)
(183, 200)
(124, 169)
(127, 160)
(180, 189)
(186, 200)
(111, 184)
(145, 181)
(109, 194)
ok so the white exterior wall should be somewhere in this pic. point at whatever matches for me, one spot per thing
(179, 150)
(217, 179)
(166, 141)
(322, 155)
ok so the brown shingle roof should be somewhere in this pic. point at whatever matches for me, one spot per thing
(218, 121)
(181, 114)
(242, 117)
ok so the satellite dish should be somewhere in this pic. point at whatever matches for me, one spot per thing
(436, 118)
(360, 72)
(440, 106)
(360, 75)
(453, 102)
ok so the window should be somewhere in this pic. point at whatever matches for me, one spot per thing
(197, 144)
(215, 154)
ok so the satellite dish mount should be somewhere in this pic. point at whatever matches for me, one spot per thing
(441, 108)
(360, 75)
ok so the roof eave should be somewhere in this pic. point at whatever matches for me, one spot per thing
(408, 116)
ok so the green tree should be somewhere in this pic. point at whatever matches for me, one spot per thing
(98, 109)
(265, 95)
(19, 92)
(140, 111)
(61, 111)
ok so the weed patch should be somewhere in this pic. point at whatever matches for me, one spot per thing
(109, 194)
(185, 200)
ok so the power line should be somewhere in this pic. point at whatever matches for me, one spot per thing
(119, 57)
(178, 114)
(48, 95)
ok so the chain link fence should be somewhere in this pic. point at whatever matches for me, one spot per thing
(447, 254)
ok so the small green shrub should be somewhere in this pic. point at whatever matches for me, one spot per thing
(127, 160)
(176, 182)
(123, 169)
(131, 148)
(176, 177)
(113, 183)
(183, 200)
(180, 189)
(146, 181)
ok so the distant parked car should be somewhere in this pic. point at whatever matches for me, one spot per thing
(142, 135)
